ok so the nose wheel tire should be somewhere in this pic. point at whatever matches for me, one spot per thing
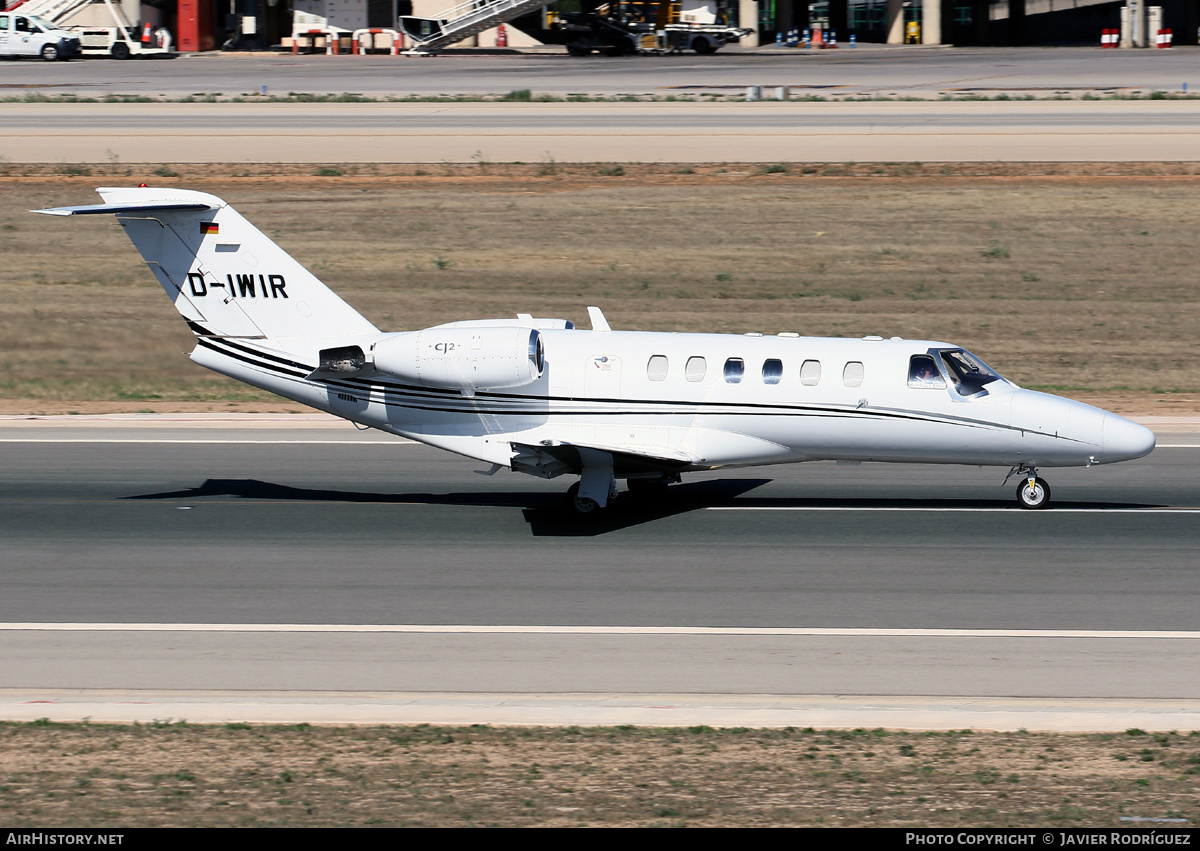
(581, 504)
(1033, 496)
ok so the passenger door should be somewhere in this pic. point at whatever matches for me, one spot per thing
(23, 41)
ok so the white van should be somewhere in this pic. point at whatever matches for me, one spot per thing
(29, 35)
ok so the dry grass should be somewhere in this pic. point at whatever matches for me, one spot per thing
(1082, 284)
(238, 775)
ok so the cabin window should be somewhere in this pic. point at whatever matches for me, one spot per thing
(695, 369)
(923, 372)
(772, 371)
(810, 373)
(735, 368)
(656, 368)
(852, 375)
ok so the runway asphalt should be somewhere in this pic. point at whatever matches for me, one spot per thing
(287, 564)
(915, 122)
(868, 70)
(1023, 131)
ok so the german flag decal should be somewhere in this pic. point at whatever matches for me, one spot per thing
(209, 227)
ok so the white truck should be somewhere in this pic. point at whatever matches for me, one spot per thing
(29, 35)
(115, 36)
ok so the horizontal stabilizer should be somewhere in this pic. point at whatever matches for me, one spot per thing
(224, 275)
(99, 209)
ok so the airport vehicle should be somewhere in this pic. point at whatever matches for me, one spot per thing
(613, 29)
(118, 37)
(29, 35)
(542, 397)
(638, 27)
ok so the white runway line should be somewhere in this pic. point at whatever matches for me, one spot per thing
(1008, 510)
(470, 629)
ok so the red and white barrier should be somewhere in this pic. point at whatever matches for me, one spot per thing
(311, 35)
(1110, 38)
(332, 37)
(501, 36)
(364, 40)
(1163, 38)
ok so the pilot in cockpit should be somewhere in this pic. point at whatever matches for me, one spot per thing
(923, 372)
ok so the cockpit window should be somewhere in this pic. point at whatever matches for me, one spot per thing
(923, 372)
(968, 373)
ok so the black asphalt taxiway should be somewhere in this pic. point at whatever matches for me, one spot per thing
(313, 557)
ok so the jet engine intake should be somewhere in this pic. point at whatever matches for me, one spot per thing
(463, 359)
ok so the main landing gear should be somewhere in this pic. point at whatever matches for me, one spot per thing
(581, 504)
(1033, 493)
(644, 488)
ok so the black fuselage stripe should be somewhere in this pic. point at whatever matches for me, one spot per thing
(469, 407)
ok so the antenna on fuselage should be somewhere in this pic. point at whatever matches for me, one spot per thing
(599, 323)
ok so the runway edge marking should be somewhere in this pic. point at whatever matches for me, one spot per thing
(599, 630)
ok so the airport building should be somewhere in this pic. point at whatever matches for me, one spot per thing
(200, 25)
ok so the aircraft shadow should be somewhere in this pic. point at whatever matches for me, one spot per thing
(546, 513)
(558, 519)
(269, 491)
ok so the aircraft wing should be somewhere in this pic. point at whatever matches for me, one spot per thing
(560, 458)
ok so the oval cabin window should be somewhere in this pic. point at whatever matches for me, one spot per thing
(695, 369)
(852, 375)
(810, 373)
(656, 368)
(735, 368)
(772, 371)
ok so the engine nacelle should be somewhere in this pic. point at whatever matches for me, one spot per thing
(465, 359)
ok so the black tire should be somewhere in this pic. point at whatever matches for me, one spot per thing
(1033, 498)
(576, 50)
(120, 50)
(50, 52)
(702, 45)
(581, 504)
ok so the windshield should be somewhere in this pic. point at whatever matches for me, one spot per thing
(968, 373)
(41, 22)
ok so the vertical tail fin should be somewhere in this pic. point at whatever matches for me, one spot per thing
(222, 273)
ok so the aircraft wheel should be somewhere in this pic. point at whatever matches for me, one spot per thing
(1035, 497)
(50, 52)
(120, 50)
(703, 46)
(582, 504)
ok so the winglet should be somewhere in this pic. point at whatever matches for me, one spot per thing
(599, 323)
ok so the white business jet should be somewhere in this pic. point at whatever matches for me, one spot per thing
(540, 396)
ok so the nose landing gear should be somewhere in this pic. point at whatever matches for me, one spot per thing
(1033, 493)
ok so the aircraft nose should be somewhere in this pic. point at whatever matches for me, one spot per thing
(1125, 440)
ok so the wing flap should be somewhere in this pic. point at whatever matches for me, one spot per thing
(559, 459)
